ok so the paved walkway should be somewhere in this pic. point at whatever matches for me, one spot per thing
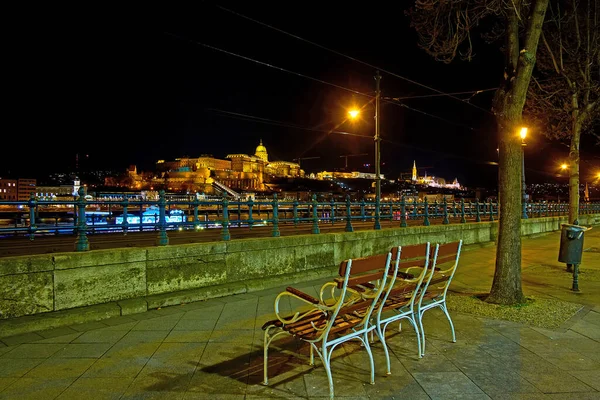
(213, 349)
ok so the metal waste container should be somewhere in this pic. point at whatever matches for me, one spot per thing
(571, 243)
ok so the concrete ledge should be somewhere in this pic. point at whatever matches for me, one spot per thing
(133, 306)
(56, 319)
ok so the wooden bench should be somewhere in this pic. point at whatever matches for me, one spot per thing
(342, 316)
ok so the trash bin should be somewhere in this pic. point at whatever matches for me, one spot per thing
(571, 243)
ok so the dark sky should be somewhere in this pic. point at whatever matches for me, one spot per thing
(130, 87)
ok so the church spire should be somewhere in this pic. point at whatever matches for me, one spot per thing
(414, 171)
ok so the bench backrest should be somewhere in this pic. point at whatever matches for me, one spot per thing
(371, 270)
(438, 280)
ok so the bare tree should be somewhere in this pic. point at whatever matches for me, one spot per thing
(564, 101)
(445, 28)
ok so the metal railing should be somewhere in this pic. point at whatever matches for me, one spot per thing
(92, 217)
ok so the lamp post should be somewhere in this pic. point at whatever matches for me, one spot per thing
(353, 114)
(523, 134)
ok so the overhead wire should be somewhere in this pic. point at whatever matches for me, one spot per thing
(351, 58)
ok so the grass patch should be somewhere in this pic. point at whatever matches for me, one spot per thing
(543, 313)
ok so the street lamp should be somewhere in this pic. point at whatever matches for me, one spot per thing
(564, 166)
(523, 134)
(353, 114)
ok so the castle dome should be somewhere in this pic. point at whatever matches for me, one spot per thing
(261, 152)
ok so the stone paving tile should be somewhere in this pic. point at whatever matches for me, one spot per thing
(101, 336)
(580, 344)
(573, 396)
(61, 339)
(497, 381)
(285, 378)
(142, 316)
(35, 389)
(126, 326)
(226, 354)
(207, 324)
(345, 383)
(571, 361)
(162, 386)
(61, 368)
(587, 329)
(211, 312)
(521, 396)
(211, 396)
(591, 378)
(188, 336)
(592, 317)
(144, 336)
(33, 350)
(88, 326)
(447, 384)
(555, 382)
(82, 350)
(52, 333)
(24, 338)
(156, 324)
(120, 320)
(126, 350)
(218, 379)
(96, 388)
(16, 368)
(237, 336)
(429, 363)
(5, 382)
(179, 350)
(161, 366)
(5, 349)
(116, 367)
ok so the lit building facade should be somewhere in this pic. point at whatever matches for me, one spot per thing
(8, 189)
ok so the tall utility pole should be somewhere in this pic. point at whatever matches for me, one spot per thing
(377, 152)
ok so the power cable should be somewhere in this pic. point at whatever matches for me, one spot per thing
(352, 58)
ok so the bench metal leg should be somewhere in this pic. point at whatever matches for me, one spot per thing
(416, 328)
(365, 340)
(445, 309)
(381, 334)
(422, 334)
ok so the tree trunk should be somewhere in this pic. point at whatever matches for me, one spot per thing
(574, 173)
(508, 106)
(506, 287)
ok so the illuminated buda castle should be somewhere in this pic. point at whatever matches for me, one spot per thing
(237, 171)
(432, 181)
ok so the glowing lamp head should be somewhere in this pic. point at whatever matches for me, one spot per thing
(353, 113)
(563, 166)
(523, 133)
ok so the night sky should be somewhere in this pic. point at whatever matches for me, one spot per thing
(130, 88)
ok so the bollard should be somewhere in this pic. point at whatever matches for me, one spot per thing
(426, 219)
(349, 227)
(275, 232)
(315, 227)
(82, 243)
(162, 239)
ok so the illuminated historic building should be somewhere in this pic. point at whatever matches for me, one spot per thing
(432, 181)
(8, 189)
(203, 174)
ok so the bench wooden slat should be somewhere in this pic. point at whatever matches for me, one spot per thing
(448, 249)
(365, 264)
(302, 295)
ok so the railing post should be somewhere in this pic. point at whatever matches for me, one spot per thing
(403, 223)
(446, 221)
(454, 213)
(435, 209)
(362, 210)
(332, 202)
(524, 216)
(315, 227)
(125, 221)
(463, 219)
(82, 243)
(426, 219)
(295, 212)
(196, 204)
(477, 214)
(225, 222)
(275, 232)
(349, 227)
(162, 239)
(250, 217)
(491, 208)
(32, 227)
(377, 224)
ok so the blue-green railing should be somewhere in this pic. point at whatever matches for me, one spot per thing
(226, 213)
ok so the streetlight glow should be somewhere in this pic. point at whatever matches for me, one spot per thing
(523, 133)
(353, 113)
(563, 166)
